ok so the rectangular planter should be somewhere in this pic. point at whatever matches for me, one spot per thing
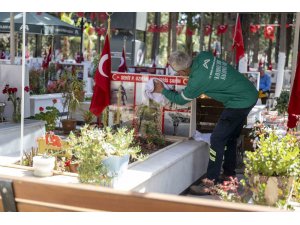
(170, 170)
(37, 101)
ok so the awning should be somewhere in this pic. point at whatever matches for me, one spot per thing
(38, 23)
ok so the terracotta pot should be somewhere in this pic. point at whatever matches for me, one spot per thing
(73, 167)
(68, 125)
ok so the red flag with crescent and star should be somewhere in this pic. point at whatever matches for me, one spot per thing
(294, 107)
(123, 66)
(238, 42)
(221, 29)
(102, 78)
(47, 59)
(254, 28)
(207, 29)
(269, 32)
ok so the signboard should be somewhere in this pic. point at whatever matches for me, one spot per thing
(254, 77)
(128, 93)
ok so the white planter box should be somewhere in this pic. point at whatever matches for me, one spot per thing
(37, 101)
(170, 170)
(10, 137)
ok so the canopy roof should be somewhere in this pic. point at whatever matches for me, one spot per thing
(38, 23)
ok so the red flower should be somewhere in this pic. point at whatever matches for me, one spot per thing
(67, 163)
(54, 101)
(41, 109)
(15, 90)
(27, 89)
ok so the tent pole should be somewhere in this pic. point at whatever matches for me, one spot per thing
(22, 87)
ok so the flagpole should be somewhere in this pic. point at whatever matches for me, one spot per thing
(235, 28)
(236, 21)
(106, 110)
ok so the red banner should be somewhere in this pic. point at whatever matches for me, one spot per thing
(128, 77)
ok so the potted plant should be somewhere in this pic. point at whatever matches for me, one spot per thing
(87, 116)
(270, 169)
(102, 154)
(51, 115)
(71, 101)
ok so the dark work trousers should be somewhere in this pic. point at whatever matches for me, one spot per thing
(225, 135)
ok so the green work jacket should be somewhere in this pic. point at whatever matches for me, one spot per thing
(217, 79)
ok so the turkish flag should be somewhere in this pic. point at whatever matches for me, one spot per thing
(101, 94)
(269, 32)
(189, 32)
(207, 30)
(238, 42)
(294, 106)
(254, 28)
(47, 59)
(153, 28)
(270, 67)
(163, 28)
(221, 29)
(123, 66)
(80, 14)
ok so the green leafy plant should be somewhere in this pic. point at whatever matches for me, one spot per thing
(282, 102)
(93, 145)
(94, 65)
(51, 115)
(148, 123)
(88, 116)
(72, 93)
(271, 169)
(275, 156)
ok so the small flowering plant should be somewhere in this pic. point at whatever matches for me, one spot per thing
(232, 190)
(50, 115)
(11, 93)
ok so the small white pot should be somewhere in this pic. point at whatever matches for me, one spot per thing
(43, 167)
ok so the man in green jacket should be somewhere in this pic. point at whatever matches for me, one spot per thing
(217, 79)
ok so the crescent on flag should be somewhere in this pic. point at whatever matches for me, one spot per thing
(122, 62)
(100, 66)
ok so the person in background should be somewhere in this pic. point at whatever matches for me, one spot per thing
(264, 86)
(217, 79)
